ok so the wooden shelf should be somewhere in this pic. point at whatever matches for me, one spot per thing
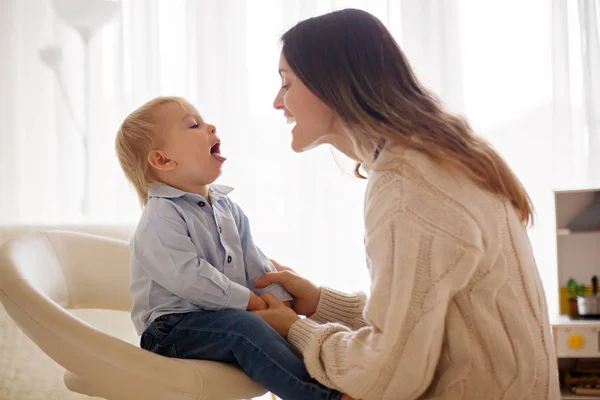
(567, 395)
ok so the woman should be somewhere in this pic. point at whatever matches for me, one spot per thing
(457, 309)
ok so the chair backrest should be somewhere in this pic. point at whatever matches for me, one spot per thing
(115, 231)
(75, 270)
(43, 273)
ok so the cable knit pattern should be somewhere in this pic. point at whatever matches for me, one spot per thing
(457, 309)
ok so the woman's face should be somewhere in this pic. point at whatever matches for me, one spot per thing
(315, 122)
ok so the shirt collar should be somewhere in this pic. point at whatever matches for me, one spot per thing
(217, 192)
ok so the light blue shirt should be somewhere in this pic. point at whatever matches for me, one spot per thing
(187, 255)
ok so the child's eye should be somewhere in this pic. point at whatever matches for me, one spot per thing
(195, 126)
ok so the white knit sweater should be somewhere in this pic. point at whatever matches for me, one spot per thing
(457, 309)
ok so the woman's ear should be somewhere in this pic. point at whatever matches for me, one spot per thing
(161, 162)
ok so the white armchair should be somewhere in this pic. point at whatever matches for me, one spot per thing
(44, 274)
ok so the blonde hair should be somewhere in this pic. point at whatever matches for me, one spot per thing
(135, 139)
(357, 68)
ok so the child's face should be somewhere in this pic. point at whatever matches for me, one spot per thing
(188, 150)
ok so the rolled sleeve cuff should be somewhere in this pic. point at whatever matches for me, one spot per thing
(238, 297)
(278, 291)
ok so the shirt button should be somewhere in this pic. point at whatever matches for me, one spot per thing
(202, 204)
(220, 230)
(229, 259)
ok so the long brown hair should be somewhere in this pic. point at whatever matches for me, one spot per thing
(351, 62)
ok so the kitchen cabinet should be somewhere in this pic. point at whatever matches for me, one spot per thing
(576, 338)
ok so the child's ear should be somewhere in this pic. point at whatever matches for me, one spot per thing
(158, 160)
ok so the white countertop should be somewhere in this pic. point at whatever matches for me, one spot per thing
(564, 320)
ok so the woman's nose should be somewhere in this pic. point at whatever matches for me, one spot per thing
(278, 102)
(212, 129)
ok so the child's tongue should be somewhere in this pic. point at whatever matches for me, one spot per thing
(218, 157)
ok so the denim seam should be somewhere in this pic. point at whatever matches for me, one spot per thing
(237, 335)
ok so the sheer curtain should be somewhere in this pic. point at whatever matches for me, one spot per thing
(524, 73)
(577, 85)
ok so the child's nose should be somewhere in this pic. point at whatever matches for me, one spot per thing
(212, 129)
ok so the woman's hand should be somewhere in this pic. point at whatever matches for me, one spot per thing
(255, 303)
(280, 317)
(305, 293)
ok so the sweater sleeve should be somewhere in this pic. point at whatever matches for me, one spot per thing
(416, 268)
(346, 309)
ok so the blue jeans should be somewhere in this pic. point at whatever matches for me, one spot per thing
(240, 338)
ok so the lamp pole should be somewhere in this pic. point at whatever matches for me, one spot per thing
(86, 17)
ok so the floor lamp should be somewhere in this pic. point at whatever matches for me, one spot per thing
(86, 17)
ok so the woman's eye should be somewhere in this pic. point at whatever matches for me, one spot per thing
(195, 126)
(286, 87)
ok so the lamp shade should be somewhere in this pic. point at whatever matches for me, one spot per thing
(86, 16)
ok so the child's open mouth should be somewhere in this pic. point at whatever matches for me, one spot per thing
(215, 151)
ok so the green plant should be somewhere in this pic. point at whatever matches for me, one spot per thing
(574, 289)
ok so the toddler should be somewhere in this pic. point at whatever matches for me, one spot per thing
(193, 260)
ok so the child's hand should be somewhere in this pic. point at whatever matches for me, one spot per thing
(280, 317)
(256, 303)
